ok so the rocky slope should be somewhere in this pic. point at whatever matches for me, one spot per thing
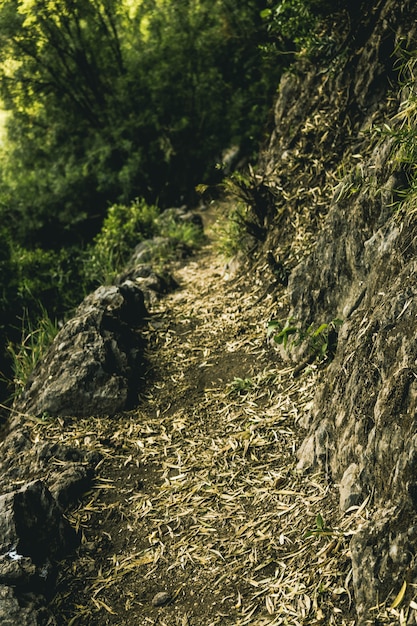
(333, 172)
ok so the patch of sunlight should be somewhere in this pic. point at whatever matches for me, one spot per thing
(3, 119)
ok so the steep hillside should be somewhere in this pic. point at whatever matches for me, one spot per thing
(336, 169)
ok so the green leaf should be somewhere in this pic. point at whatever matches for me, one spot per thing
(321, 329)
(319, 522)
(272, 327)
(266, 13)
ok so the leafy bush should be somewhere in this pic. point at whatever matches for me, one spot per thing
(257, 198)
(111, 101)
(295, 24)
(124, 227)
(47, 277)
(36, 287)
(179, 231)
(6, 271)
(232, 233)
(127, 225)
(294, 20)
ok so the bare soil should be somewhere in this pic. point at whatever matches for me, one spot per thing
(198, 515)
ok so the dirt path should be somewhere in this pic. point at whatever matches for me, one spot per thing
(197, 497)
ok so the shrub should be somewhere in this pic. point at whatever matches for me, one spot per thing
(124, 227)
(295, 24)
(321, 342)
(44, 276)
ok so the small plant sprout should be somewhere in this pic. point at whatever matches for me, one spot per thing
(321, 341)
(240, 385)
(321, 530)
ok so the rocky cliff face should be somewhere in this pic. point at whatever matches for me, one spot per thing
(332, 173)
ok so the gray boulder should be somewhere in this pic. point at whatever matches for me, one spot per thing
(95, 362)
(146, 251)
(153, 284)
(180, 215)
(33, 536)
(33, 532)
(27, 611)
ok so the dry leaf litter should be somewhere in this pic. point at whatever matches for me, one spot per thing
(198, 515)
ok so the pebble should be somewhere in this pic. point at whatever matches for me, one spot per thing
(161, 599)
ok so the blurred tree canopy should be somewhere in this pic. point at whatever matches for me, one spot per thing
(109, 100)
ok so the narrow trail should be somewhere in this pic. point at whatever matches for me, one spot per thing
(197, 496)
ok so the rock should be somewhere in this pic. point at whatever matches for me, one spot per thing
(166, 245)
(360, 267)
(16, 569)
(180, 215)
(22, 459)
(147, 250)
(72, 482)
(151, 283)
(161, 599)
(32, 525)
(350, 488)
(70, 454)
(33, 536)
(383, 549)
(24, 611)
(94, 364)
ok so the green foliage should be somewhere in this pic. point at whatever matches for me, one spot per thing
(256, 202)
(59, 63)
(231, 235)
(321, 530)
(47, 277)
(321, 341)
(296, 26)
(6, 271)
(6, 300)
(36, 286)
(402, 129)
(179, 232)
(124, 227)
(282, 333)
(111, 101)
(34, 344)
(238, 386)
(293, 19)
